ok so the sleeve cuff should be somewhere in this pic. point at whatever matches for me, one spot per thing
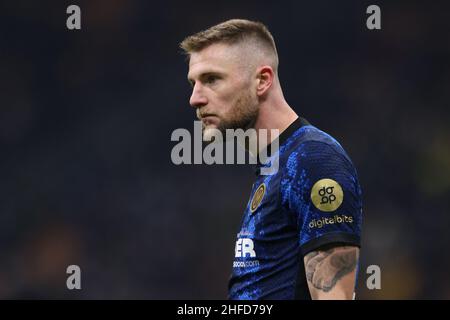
(344, 238)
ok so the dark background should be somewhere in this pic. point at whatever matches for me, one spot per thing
(86, 117)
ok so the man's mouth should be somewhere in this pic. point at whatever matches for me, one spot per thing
(204, 115)
(207, 118)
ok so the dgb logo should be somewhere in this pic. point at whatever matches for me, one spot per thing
(327, 195)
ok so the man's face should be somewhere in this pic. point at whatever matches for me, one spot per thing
(223, 89)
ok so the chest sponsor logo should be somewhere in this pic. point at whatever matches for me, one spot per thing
(245, 249)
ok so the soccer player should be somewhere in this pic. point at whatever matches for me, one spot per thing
(300, 233)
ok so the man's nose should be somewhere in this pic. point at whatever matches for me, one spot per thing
(198, 99)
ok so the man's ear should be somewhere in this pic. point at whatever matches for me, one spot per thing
(265, 78)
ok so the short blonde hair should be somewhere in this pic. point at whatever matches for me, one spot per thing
(231, 32)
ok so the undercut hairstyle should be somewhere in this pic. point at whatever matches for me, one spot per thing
(235, 31)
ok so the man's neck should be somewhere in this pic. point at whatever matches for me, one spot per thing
(271, 122)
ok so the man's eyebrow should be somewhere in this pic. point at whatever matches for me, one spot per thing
(205, 74)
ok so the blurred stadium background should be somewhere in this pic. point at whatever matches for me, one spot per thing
(85, 124)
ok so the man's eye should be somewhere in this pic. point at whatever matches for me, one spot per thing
(211, 79)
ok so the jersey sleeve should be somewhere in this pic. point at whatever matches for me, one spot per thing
(320, 189)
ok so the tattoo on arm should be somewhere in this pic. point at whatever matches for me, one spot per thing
(324, 268)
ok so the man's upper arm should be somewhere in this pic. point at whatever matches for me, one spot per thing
(331, 272)
(321, 189)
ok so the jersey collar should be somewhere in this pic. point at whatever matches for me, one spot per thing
(289, 131)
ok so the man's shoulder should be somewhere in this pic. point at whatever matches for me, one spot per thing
(315, 157)
(310, 138)
(310, 147)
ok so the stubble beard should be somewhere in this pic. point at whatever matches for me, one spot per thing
(242, 116)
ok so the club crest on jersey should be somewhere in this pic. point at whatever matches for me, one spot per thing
(327, 195)
(257, 197)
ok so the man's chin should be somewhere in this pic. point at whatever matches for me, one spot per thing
(209, 133)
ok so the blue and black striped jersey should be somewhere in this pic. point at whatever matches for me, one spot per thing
(312, 200)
